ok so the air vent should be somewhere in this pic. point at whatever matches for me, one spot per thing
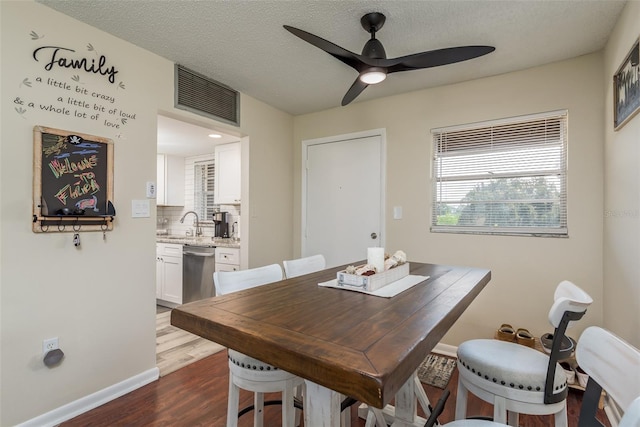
(204, 96)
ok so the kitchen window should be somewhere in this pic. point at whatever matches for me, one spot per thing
(505, 176)
(203, 189)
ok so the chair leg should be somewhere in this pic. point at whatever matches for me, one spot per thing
(461, 401)
(500, 410)
(560, 418)
(298, 413)
(258, 409)
(513, 418)
(288, 410)
(345, 418)
(232, 403)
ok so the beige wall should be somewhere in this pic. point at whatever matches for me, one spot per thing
(525, 269)
(100, 299)
(622, 194)
(271, 182)
(104, 314)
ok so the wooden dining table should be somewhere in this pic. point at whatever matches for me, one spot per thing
(342, 342)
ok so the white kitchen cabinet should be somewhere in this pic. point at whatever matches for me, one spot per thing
(170, 185)
(227, 174)
(227, 259)
(169, 272)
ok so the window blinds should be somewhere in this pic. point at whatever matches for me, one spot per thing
(203, 189)
(505, 176)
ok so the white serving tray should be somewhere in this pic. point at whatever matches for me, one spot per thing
(375, 281)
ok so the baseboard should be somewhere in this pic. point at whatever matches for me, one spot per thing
(87, 403)
(445, 350)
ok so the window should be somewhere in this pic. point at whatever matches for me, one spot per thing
(502, 177)
(203, 189)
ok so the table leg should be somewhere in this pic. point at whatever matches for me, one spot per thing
(321, 406)
(406, 408)
(404, 413)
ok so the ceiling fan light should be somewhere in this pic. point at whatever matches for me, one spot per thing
(373, 76)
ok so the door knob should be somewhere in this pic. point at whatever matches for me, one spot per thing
(374, 236)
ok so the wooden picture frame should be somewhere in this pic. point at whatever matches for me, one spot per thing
(626, 88)
(72, 181)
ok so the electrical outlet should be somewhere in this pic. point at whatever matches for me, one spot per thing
(49, 344)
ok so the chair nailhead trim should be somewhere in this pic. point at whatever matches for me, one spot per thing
(504, 383)
(253, 367)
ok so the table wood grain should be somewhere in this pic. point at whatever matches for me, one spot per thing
(359, 345)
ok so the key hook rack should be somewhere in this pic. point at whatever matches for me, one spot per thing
(74, 223)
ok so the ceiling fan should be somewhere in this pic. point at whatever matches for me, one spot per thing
(373, 65)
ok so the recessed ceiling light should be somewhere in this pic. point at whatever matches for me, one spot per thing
(215, 135)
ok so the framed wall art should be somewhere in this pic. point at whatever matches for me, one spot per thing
(626, 88)
(72, 181)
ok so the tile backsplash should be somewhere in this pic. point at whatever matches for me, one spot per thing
(169, 216)
(169, 219)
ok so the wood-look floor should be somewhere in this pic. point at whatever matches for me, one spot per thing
(196, 395)
(177, 348)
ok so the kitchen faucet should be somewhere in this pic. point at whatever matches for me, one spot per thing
(198, 230)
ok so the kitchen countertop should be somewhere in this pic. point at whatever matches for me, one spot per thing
(206, 241)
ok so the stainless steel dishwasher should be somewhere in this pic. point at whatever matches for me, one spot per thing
(198, 265)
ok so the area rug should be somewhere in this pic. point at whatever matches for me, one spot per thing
(436, 370)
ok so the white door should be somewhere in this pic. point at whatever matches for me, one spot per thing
(343, 196)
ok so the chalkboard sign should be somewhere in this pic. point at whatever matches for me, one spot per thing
(73, 181)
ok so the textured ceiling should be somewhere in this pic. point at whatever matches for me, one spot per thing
(242, 44)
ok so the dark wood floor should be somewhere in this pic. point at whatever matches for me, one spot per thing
(197, 396)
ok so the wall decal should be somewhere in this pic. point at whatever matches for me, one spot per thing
(86, 86)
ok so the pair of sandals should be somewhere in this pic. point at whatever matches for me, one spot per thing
(567, 346)
(521, 336)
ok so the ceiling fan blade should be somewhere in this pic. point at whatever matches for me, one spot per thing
(356, 89)
(435, 58)
(347, 57)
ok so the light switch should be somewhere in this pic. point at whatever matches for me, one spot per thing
(397, 212)
(140, 209)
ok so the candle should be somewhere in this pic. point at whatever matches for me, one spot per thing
(375, 257)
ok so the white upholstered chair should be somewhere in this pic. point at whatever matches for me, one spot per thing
(518, 379)
(247, 372)
(302, 266)
(612, 364)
